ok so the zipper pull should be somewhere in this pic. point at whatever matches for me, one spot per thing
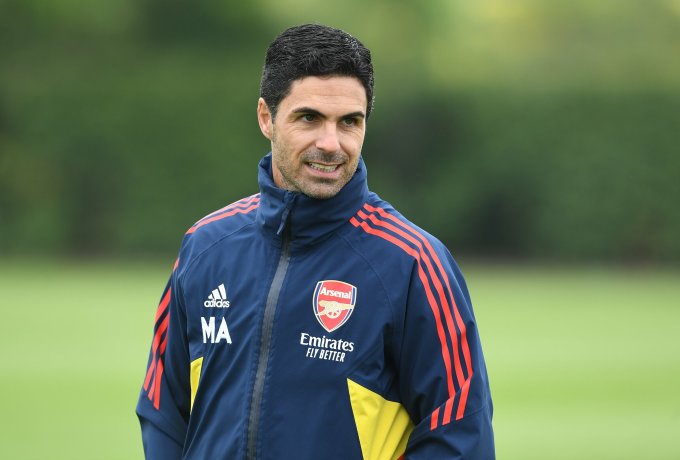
(284, 218)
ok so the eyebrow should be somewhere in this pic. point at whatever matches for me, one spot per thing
(309, 110)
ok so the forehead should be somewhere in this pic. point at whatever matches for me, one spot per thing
(326, 94)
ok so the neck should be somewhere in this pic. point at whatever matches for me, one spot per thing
(310, 219)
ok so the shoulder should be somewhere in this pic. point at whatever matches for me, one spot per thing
(217, 226)
(394, 246)
(229, 216)
(380, 226)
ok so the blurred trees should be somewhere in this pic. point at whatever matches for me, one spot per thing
(508, 129)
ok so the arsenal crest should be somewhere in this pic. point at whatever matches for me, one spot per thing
(333, 303)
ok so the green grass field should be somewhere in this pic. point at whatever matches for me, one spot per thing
(584, 363)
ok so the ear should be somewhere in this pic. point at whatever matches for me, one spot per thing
(264, 118)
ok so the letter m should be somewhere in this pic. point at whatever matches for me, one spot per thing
(208, 329)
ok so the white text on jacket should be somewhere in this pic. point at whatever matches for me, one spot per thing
(209, 331)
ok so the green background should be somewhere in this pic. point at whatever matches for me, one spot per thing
(538, 140)
(525, 129)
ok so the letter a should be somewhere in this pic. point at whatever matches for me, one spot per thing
(223, 333)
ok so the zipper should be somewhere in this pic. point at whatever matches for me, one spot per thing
(265, 340)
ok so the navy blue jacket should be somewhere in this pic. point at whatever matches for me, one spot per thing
(296, 328)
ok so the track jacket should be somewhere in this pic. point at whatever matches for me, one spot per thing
(295, 328)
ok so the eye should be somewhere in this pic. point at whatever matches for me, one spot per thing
(309, 117)
(350, 121)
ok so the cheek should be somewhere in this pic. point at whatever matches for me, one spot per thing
(299, 140)
(351, 143)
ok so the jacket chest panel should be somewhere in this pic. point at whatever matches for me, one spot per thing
(330, 312)
(332, 318)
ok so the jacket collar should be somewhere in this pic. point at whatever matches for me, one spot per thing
(310, 220)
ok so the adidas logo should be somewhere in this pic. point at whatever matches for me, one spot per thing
(218, 298)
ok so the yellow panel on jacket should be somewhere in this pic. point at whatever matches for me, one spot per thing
(194, 376)
(384, 426)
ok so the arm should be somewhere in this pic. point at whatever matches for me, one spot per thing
(443, 379)
(163, 405)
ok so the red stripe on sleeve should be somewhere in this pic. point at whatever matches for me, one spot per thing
(157, 386)
(163, 305)
(161, 329)
(448, 408)
(156, 358)
(430, 297)
(435, 257)
(243, 206)
(157, 336)
(154, 373)
(222, 216)
(149, 373)
(459, 320)
(152, 389)
(438, 287)
(463, 399)
(242, 202)
(434, 420)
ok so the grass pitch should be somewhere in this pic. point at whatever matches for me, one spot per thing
(584, 363)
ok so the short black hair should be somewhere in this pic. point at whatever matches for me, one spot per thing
(313, 50)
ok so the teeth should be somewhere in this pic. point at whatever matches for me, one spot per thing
(323, 168)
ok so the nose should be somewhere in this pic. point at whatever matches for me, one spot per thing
(327, 139)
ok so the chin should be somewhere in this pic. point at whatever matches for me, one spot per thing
(322, 193)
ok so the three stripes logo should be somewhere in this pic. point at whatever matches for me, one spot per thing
(217, 298)
(154, 373)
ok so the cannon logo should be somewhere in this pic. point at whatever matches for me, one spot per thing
(333, 303)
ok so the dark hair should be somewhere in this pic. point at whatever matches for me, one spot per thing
(313, 50)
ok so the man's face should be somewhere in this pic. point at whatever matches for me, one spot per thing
(317, 134)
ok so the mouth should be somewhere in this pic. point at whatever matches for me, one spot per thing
(322, 167)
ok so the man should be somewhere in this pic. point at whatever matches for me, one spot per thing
(312, 320)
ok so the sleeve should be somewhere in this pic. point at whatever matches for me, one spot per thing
(163, 405)
(443, 380)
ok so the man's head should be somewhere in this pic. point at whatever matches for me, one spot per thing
(313, 50)
(316, 94)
